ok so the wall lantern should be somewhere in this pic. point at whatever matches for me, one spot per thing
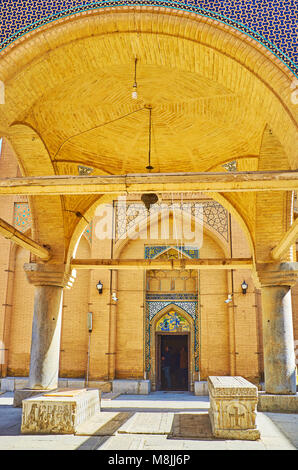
(244, 287)
(99, 287)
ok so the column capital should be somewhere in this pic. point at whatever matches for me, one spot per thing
(277, 274)
(48, 274)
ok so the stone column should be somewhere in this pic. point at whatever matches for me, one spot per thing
(49, 281)
(278, 338)
(45, 344)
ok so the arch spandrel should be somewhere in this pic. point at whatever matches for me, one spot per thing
(274, 211)
(34, 160)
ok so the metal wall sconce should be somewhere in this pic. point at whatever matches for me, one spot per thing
(244, 287)
(99, 287)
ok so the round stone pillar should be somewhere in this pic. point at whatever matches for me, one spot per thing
(278, 340)
(45, 345)
(49, 281)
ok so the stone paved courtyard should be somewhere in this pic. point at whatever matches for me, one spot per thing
(159, 421)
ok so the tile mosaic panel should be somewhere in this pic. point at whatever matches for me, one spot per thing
(88, 232)
(153, 307)
(210, 212)
(172, 321)
(21, 216)
(22, 219)
(273, 23)
(155, 251)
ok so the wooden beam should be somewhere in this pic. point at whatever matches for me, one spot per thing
(152, 182)
(232, 263)
(14, 235)
(287, 240)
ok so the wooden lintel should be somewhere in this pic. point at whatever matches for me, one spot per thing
(19, 238)
(152, 182)
(285, 243)
(233, 263)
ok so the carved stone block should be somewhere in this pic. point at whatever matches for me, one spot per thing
(233, 404)
(59, 412)
(131, 387)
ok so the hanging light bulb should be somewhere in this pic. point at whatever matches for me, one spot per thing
(134, 93)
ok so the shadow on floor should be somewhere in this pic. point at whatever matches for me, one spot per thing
(104, 432)
(10, 417)
(155, 410)
(287, 423)
(191, 426)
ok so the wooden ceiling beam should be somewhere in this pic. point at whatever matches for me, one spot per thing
(19, 238)
(126, 264)
(285, 243)
(152, 182)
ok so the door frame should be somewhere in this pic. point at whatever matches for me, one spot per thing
(158, 335)
(152, 344)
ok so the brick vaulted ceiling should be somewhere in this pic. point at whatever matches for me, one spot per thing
(194, 119)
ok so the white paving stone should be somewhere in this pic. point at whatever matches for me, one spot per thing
(148, 423)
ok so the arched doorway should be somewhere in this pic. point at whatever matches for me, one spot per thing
(172, 352)
(174, 329)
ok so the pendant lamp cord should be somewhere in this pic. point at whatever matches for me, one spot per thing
(135, 80)
(150, 127)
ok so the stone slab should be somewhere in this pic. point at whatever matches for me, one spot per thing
(21, 383)
(7, 384)
(66, 392)
(58, 414)
(148, 423)
(131, 387)
(201, 388)
(76, 383)
(105, 387)
(23, 394)
(62, 383)
(225, 386)
(110, 396)
(278, 403)
(233, 404)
